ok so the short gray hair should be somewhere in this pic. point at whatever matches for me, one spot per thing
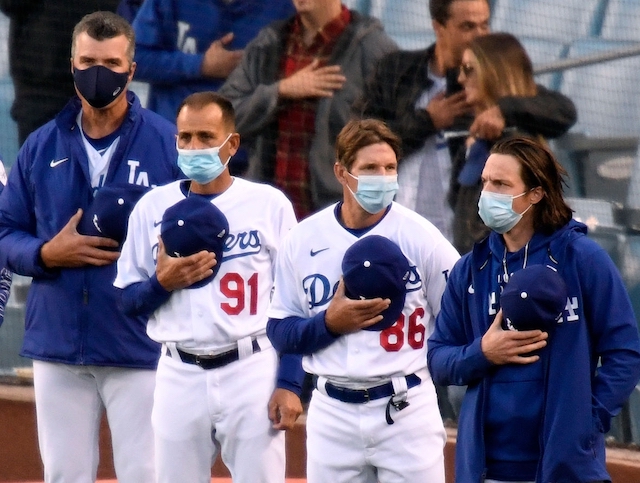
(103, 25)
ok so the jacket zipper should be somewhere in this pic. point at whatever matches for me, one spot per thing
(85, 302)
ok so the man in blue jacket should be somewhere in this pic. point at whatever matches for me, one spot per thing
(539, 402)
(88, 356)
(190, 46)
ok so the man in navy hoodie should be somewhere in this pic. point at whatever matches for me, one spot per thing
(88, 355)
(539, 402)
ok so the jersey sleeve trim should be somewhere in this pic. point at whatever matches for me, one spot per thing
(298, 335)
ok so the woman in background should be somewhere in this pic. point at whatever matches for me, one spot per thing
(494, 67)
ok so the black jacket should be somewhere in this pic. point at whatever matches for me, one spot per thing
(391, 95)
(401, 77)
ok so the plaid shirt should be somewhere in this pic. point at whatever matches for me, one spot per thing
(296, 117)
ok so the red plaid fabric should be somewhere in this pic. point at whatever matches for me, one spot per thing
(296, 118)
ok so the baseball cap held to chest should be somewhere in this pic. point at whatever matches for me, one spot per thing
(534, 298)
(192, 225)
(373, 267)
(108, 214)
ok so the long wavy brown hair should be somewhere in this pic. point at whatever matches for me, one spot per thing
(504, 67)
(539, 167)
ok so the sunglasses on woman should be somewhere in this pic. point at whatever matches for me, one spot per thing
(467, 69)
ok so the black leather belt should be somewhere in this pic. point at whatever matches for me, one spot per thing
(216, 361)
(360, 396)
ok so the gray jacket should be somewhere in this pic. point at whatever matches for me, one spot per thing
(253, 89)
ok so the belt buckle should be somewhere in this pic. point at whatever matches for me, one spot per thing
(367, 397)
(198, 360)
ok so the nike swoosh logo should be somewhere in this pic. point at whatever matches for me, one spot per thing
(156, 223)
(314, 253)
(55, 163)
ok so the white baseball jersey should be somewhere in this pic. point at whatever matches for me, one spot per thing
(233, 305)
(308, 272)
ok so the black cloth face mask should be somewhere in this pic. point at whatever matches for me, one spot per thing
(100, 85)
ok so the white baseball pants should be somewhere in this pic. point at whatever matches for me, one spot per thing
(352, 443)
(198, 413)
(70, 401)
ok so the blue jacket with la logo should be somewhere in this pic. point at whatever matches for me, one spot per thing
(73, 314)
(547, 418)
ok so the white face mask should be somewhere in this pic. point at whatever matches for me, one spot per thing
(375, 192)
(496, 210)
(202, 165)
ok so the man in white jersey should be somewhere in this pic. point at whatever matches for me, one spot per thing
(354, 441)
(217, 372)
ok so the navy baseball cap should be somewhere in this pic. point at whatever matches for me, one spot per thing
(374, 267)
(192, 225)
(108, 214)
(534, 298)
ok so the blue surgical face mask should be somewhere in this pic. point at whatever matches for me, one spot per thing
(375, 192)
(496, 211)
(202, 165)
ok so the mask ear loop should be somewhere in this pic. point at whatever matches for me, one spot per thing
(530, 204)
(354, 177)
(220, 147)
(528, 208)
(223, 143)
(227, 139)
(349, 188)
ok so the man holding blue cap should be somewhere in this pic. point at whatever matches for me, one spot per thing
(536, 321)
(199, 260)
(89, 358)
(358, 286)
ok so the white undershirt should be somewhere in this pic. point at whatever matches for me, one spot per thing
(98, 160)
